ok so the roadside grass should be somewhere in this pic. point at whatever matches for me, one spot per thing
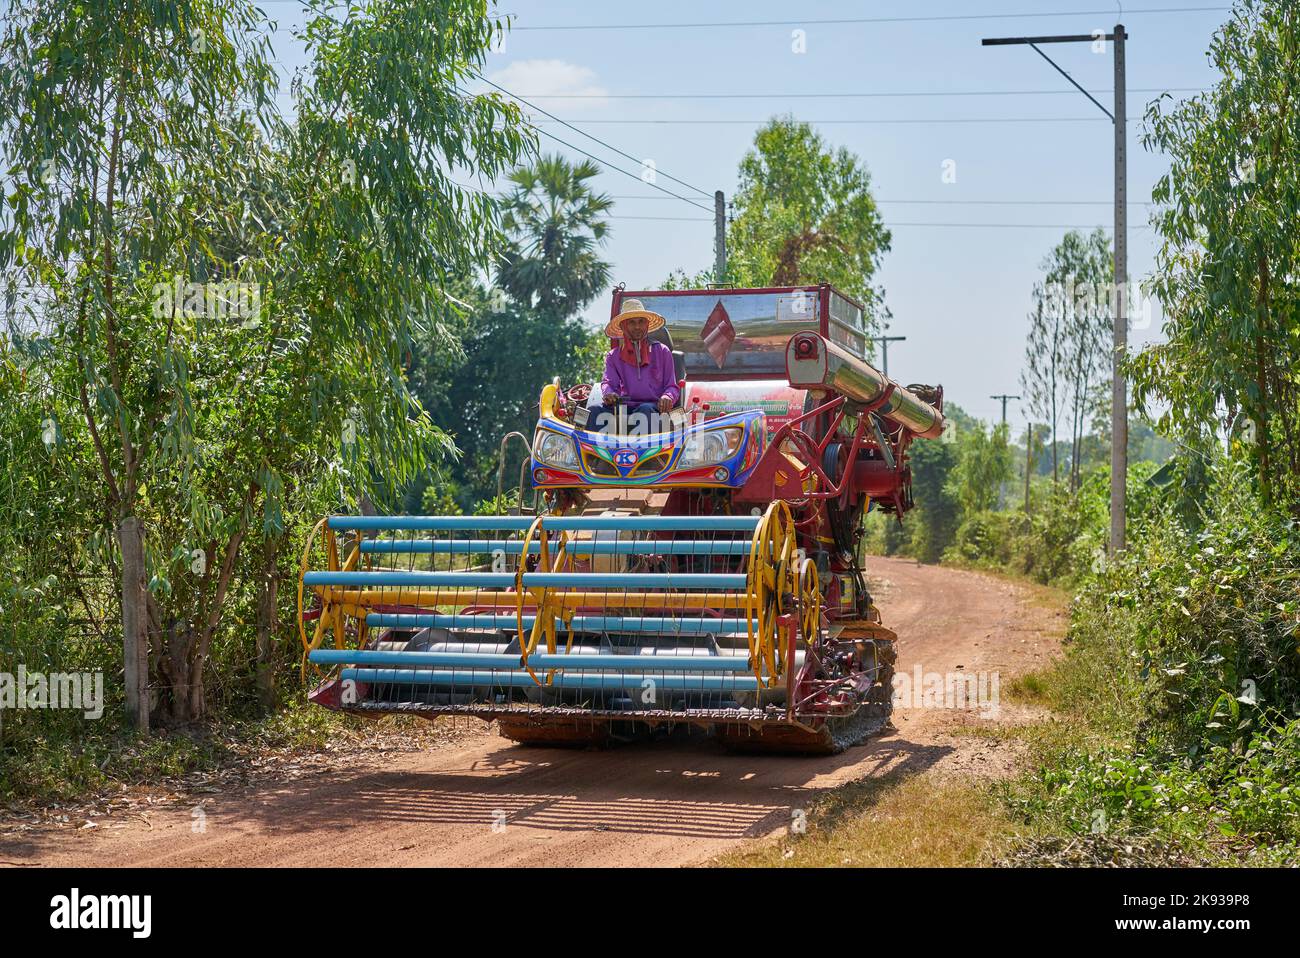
(931, 819)
(897, 820)
(1095, 796)
(1046, 594)
(43, 767)
(1096, 791)
(1172, 734)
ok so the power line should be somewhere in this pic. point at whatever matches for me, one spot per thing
(610, 166)
(840, 21)
(1015, 202)
(1049, 226)
(893, 225)
(643, 196)
(850, 122)
(888, 225)
(596, 139)
(604, 163)
(618, 169)
(822, 96)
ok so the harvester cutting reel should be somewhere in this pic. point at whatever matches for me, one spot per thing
(507, 618)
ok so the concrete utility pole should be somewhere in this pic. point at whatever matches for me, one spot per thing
(1119, 387)
(719, 237)
(1029, 460)
(1004, 397)
(884, 349)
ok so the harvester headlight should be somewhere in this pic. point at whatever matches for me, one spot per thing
(555, 450)
(715, 445)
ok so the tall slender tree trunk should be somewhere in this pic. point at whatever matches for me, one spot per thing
(135, 622)
(1262, 445)
(267, 621)
(176, 665)
(1029, 462)
(1074, 456)
(1056, 469)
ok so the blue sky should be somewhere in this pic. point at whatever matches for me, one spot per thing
(959, 293)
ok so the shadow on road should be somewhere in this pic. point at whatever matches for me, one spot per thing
(666, 789)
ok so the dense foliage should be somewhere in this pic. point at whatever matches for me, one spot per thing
(211, 308)
(803, 213)
(1184, 665)
(1228, 264)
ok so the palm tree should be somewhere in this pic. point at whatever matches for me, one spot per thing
(554, 222)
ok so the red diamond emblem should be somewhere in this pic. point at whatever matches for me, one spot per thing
(719, 334)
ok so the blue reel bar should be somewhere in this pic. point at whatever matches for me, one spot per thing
(585, 581)
(553, 524)
(437, 596)
(603, 681)
(491, 660)
(598, 547)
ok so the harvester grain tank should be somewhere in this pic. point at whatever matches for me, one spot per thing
(697, 572)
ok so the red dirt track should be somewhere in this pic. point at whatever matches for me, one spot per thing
(486, 801)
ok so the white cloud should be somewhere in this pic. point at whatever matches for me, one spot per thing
(541, 80)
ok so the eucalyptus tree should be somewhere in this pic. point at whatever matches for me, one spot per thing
(983, 465)
(233, 291)
(1081, 268)
(1042, 378)
(1067, 349)
(805, 213)
(1228, 267)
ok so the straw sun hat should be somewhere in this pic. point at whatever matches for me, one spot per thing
(631, 309)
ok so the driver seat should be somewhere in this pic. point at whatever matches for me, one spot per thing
(660, 335)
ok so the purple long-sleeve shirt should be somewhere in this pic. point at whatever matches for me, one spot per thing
(641, 383)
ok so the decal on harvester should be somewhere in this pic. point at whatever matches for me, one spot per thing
(776, 399)
(626, 459)
(718, 334)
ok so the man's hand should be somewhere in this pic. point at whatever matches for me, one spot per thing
(609, 398)
(665, 404)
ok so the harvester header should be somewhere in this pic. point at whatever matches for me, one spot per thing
(691, 557)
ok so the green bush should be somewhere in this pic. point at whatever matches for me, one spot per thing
(1063, 540)
(1181, 681)
(1054, 545)
(1211, 618)
(1253, 795)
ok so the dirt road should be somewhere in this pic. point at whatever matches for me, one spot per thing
(485, 801)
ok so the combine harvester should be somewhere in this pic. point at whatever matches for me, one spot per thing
(702, 576)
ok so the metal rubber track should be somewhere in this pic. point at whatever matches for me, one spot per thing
(733, 716)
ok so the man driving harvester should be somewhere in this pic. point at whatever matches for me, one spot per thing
(639, 371)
